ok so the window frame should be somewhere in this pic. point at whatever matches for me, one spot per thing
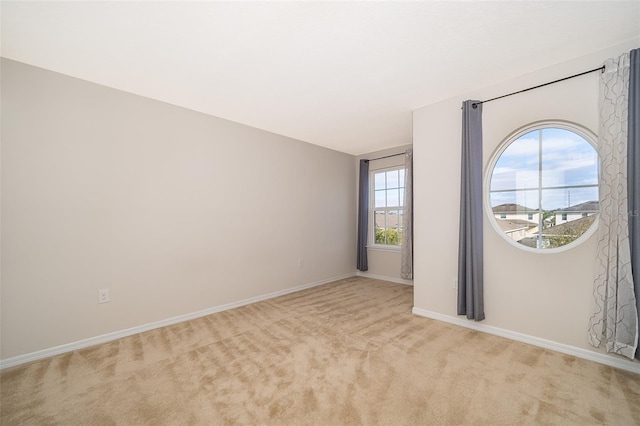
(371, 232)
(581, 131)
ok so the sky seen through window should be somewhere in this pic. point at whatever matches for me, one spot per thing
(540, 165)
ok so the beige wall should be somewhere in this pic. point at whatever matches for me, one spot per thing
(543, 295)
(172, 210)
(383, 262)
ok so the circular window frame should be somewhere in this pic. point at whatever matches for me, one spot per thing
(581, 131)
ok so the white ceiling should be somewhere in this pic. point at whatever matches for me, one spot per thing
(344, 75)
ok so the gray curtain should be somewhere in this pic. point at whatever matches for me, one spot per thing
(633, 175)
(406, 256)
(470, 255)
(363, 216)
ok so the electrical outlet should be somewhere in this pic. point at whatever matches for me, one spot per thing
(103, 295)
(455, 284)
(300, 263)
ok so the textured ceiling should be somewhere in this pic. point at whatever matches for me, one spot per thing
(345, 75)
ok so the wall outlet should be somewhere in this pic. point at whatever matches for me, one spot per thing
(103, 295)
(455, 284)
(300, 263)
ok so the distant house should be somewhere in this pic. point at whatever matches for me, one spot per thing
(559, 235)
(578, 211)
(516, 229)
(516, 211)
(560, 227)
(571, 228)
(388, 220)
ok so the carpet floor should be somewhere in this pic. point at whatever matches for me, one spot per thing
(345, 353)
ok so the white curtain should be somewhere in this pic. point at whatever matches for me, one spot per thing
(614, 319)
(406, 255)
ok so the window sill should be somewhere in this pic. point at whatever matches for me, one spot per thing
(378, 247)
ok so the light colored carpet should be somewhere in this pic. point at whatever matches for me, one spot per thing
(348, 352)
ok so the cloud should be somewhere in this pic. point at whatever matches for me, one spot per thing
(567, 160)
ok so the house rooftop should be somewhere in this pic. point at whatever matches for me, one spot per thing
(588, 206)
(578, 226)
(513, 224)
(510, 207)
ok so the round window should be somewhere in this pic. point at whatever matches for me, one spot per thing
(543, 187)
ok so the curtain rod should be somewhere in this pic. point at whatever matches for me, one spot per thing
(475, 104)
(387, 156)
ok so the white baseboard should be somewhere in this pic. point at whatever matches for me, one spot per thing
(605, 359)
(610, 360)
(92, 341)
(383, 278)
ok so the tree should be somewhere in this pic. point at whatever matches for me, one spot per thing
(389, 236)
(550, 216)
(569, 232)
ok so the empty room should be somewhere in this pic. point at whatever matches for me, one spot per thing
(319, 212)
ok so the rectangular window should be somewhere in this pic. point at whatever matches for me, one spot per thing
(530, 216)
(503, 215)
(387, 206)
(564, 216)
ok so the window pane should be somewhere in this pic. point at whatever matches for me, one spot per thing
(392, 227)
(518, 166)
(387, 200)
(392, 179)
(567, 159)
(379, 181)
(544, 188)
(572, 199)
(570, 213)
(393, 197)
(514, 201)
(392, 219)
(379, 218)
(380, 199)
